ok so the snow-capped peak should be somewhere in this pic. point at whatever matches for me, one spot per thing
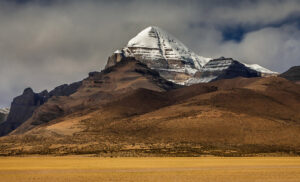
(146, 38)
(259, 68)
(155, 44)
(167, 55)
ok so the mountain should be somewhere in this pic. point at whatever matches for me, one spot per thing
(161, 51)
(222, 68)
(3, 114)
(23, 106)
(98, 89)
(292, 74)
(129, 110)
(134, 107)
(157, 46)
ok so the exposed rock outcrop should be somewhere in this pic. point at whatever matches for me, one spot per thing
(293, 74)
(98, 89)
(65, 89)
(23, 106)
(222, 68)
(115, 58)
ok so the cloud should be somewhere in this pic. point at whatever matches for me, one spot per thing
(274, 48)
(47, 43)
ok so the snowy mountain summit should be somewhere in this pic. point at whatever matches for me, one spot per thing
(154, 43)
(164, 53)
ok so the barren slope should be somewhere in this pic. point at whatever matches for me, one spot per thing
(242, 116)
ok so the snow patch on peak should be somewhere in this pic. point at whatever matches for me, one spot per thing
(3, 114)
(193, 80)
(4, 110)
(159, 44)
(146, 38)
(118, 51)
(259, 68)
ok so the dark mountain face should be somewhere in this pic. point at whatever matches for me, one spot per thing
(3, 116)
(225, 68)
(23, 106)
(64, 90)
(292, 74)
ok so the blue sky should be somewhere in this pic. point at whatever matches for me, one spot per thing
(47, 43)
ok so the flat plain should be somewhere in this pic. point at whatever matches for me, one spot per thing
(183, 169)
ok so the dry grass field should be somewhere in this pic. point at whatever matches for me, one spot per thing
(92, 169)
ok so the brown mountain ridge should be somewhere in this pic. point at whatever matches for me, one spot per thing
(129, 110)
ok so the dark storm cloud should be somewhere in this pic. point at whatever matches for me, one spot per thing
(46, 43)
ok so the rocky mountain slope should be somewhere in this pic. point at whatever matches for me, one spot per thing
(24, 105)
(98, 89)
(161, 51)
(129, 110)
(292, 74)
(222, 68)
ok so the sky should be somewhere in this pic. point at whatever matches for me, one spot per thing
(46, 43)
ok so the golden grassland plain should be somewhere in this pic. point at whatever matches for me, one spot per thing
(93, 169)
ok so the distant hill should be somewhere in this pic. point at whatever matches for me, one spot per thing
(23, 106)
(292, 74)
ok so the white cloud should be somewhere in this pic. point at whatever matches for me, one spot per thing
(275, 48)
